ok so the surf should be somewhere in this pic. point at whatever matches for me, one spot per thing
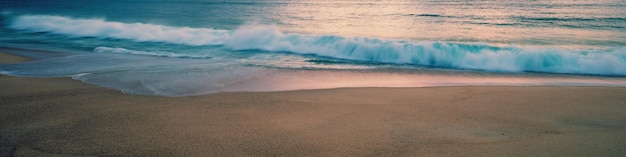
(268, 38)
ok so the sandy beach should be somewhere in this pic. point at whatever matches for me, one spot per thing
(65, 117)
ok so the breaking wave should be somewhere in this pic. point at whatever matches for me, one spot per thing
(106, 29)
(477, 56)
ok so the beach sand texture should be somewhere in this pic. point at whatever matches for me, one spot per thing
(65, 117)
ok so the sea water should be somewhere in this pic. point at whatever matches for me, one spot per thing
(191, 47)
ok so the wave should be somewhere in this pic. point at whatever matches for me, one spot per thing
(104, 49)
(477, 56)
(610, 19)
(438, 54)
(428, 15)
(106, 29)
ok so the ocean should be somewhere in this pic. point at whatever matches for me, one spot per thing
(193, 47)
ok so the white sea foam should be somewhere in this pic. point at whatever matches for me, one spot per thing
(104, 49)
(270, 38)
(106, 29)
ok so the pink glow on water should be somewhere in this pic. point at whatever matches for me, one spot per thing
(297, 80)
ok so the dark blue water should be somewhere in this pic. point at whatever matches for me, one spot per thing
(189, 47)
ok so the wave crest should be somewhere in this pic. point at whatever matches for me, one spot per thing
(106, 29)
(104, 49)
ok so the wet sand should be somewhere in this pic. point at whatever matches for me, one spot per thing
(65, 117)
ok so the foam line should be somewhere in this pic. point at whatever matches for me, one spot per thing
(106, 29)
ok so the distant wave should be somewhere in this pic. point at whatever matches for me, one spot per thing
(573, 22)
(269, 38)
(613, 19)
(106, 29)
(427, 15)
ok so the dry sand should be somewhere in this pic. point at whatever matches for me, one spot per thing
(64, 117)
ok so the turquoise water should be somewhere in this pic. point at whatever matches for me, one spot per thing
(190, 47)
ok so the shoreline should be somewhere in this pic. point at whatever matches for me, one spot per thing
(66, 117)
